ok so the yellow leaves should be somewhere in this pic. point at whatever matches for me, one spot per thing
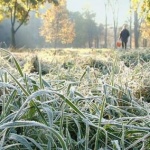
(145, 30)
(56, 24)
(142, 7)
(68, 32)
(146, 9)
(1, 17)
(135, 4)
(135, 1)
(148, 16)
(21, 7)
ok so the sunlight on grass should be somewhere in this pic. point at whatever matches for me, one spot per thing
(88, 99)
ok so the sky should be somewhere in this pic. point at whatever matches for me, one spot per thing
(97, 6)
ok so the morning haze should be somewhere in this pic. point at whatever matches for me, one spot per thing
(97, 18)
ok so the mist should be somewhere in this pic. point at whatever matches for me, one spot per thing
(28, 35)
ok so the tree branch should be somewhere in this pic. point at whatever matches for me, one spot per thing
(23, 20)
(11, 16)
(14, 15)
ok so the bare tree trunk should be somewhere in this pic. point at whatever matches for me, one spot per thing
(13, 22)
(13, 39)
(90, 43)
(115, 34)
(105, 45)
(115, 10)
(144, 42)
(96, 42)
(136, 29)
(130, 26)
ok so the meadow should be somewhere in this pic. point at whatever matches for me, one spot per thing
(75, 99)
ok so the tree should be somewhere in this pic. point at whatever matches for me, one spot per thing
(57, 26)
(88, 33)
(115, 8)
(91, 27)
(80, 30)
(130, 3)
(141, 14)
(146, 9)
(145, 27)
(99, 36)
(136, 6)
(136, 29)
(145, 32)
(18, 12)
(106, 25)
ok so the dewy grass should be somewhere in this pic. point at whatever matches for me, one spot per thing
(76, 108)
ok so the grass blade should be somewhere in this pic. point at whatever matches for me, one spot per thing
(21, 140)
(33, 123)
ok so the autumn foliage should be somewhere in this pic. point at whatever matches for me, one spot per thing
(57, 26)
(145, 29)
(18, 11)
(146, 8)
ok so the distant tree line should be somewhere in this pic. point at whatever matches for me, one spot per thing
(58, 27)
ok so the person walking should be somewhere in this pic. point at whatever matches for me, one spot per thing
(124, 35)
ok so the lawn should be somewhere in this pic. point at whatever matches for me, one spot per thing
(75, 99)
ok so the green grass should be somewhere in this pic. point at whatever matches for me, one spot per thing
(78, 105)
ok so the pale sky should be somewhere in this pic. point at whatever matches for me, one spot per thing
(97, 6)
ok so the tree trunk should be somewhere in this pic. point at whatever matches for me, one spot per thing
(90, 40)
(105, 32)
(97, 42)
(144, 42)
(115, 10)
(89, 44)
(13, 39)
(130, 26)
(115, 33)
(105, 45)
(115, 36)
(136, 29)
(130, 32)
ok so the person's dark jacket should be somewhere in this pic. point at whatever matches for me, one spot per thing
(124, 34)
